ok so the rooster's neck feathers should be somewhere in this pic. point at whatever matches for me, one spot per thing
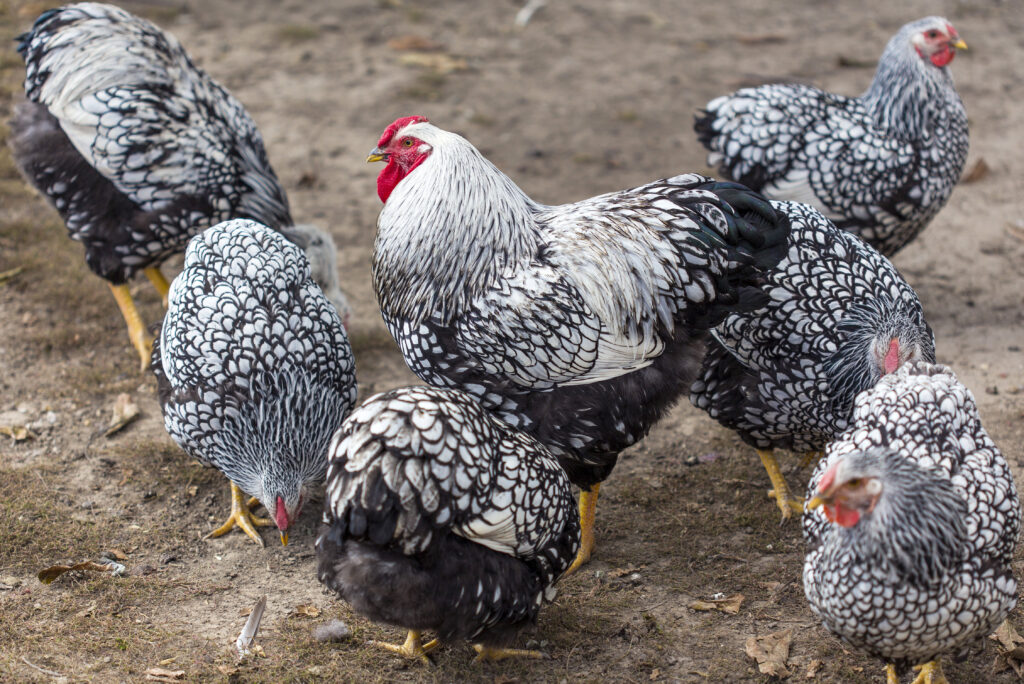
(475, 224)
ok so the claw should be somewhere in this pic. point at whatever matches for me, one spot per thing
(412, 648)
(930, 673)
(242, 517)
(786, 502)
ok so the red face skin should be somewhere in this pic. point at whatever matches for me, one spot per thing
(892, 357)
(837, 496)
(281, 518)
(939, 45)
(403, 154)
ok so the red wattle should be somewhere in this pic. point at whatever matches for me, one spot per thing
(388, 179)
(892, 357)
(943, 57)
(281, 515)
(841, 516)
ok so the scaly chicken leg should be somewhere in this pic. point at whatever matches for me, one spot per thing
(243, 517)
(159, 282)
(412, 648)
(930, 673)
(141, 339)
(780, 491)
(588, 510)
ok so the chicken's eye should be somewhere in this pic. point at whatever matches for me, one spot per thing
(854, 483)
(407, 142)
(932, 34)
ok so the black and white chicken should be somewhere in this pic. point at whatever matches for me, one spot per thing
(911, 526)
(136, 147)
(580, 324)
(254, 370)
(839, 316)
(440, 517)
(880, 165)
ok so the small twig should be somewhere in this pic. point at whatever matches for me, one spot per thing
(41, 669)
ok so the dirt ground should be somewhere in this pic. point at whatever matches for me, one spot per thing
(587, 98)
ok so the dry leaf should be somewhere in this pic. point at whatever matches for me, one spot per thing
(414, 43)
(19, 433)
(976, 172)
(628, 570)
(729, 604)
(812, 669)
(125, 411)
(305, 609)
(854, 62)
(7, 275)
(116, 554)
(771, 652)
(1010, 649)
(1007, 636)
(1016, 230)
(54, 571)
(159, 674)
(655, 673)
(760, 38)
(228, 670)
(192, 491)
(438, 62)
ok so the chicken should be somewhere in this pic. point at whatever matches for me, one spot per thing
(580, 324)
(253, 368)
(323, 264)
(880, 165)
(839, 316)
(912, 525)
(440, 517)
(136, 147)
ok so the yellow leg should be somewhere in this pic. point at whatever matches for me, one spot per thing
(930, 673)
(810, 458)
(780, 492)
(890, 674)
(241, 516)
(412, 648)
(159, 282)
(588, 509)
(485, 653)
(141, 340)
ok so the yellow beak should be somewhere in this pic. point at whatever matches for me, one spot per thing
(376, 154)
(284, 539)
(814, 503)
(959, 44)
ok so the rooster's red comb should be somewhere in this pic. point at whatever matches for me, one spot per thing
(397, 126)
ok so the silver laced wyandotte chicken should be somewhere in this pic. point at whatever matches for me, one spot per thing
(136, 147)
(439, 516)
(254, 370)
(912, 525)
(839, 316)
(580, 324)
(880, 165)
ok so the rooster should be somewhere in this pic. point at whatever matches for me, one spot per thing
(880, 165)
(911, 525)
(136, 147)
(839, 316)
(580, 324)
(254, 370)
(439, 516)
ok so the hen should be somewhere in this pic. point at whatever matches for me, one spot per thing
(253, 368)
(910, 557)
(580, 324)
(439, 516)
(839, 316)
(880, 165)
(136, 147)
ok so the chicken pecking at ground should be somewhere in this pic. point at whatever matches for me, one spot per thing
(440, 517)
(580, 324)
(912, 526)
(253, 368)
(880, 165)
(839, 316)
(136, 147)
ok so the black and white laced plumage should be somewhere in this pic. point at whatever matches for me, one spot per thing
(839, 316)
(909, 557)
(880, 165)
(440, 517)
(580, 324)
(136, 147)
(253, 366)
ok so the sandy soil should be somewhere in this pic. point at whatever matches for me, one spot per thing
(588, 98)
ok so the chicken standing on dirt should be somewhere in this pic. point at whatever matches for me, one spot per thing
(579, 324)
(909, 553)
(253, 368)
(839, 317)
(136, 147)
(880, 165)
(439, 516)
